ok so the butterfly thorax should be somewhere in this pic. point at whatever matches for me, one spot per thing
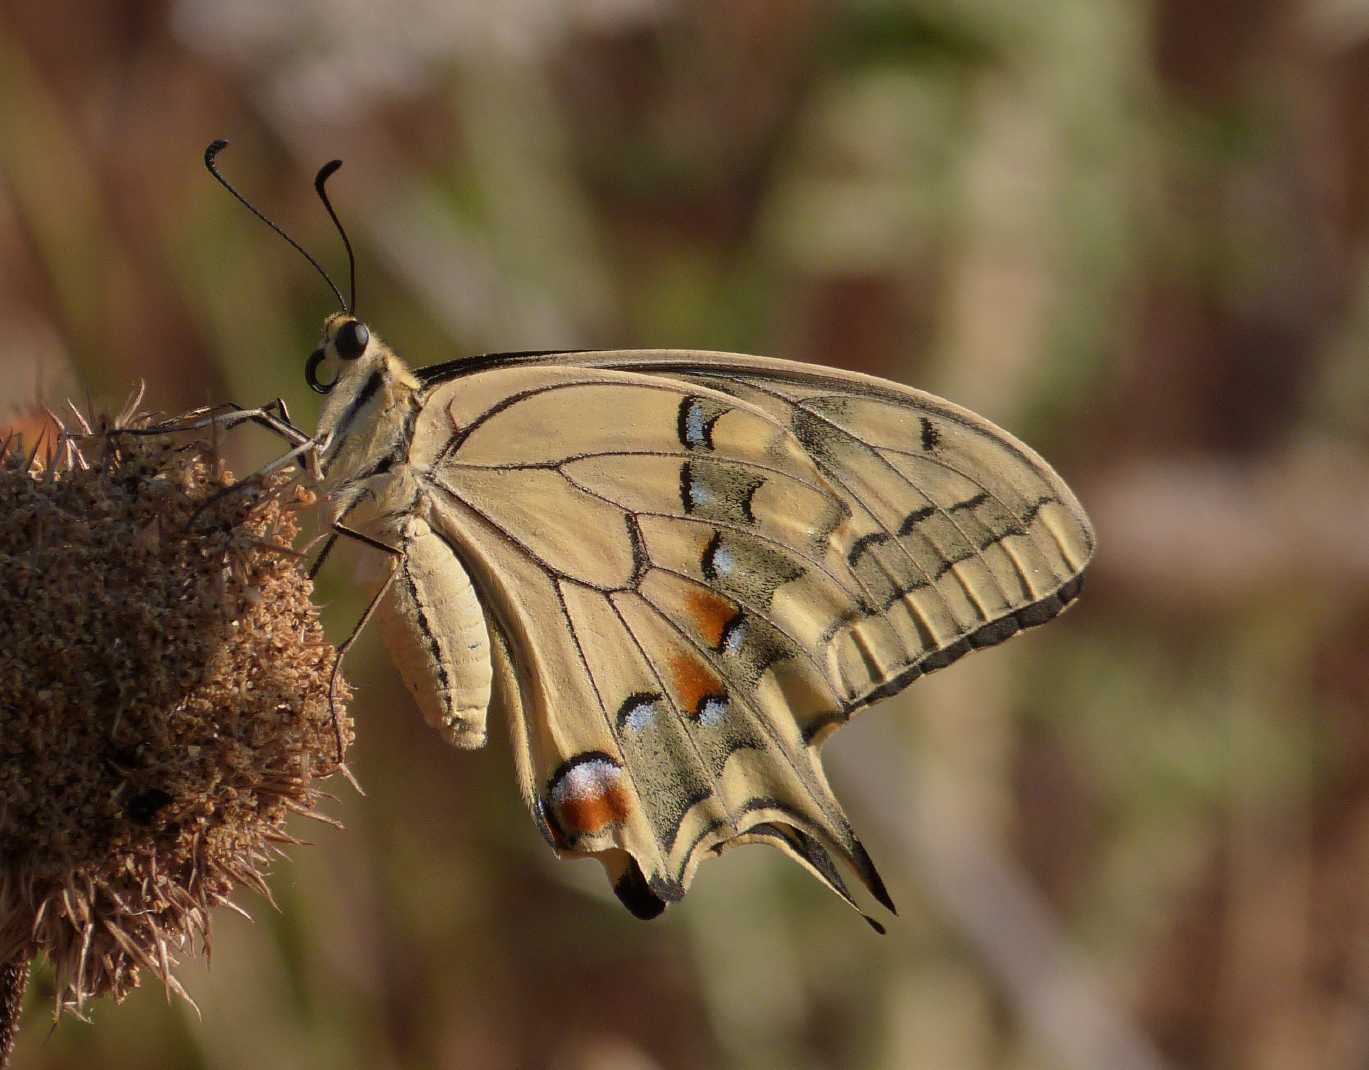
(366, 422)
(431, 618)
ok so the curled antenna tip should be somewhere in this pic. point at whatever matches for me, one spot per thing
(325, 173)
(320, 182)
(215, 147)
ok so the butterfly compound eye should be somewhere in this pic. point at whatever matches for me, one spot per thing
(351, 339)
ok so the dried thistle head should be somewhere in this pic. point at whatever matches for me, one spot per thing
(163, 701)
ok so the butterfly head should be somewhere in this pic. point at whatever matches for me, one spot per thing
(369, 392)
(346, 345)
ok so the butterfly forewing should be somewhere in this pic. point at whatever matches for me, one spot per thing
(703, 563)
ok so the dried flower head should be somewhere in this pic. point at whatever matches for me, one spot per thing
(163, 701)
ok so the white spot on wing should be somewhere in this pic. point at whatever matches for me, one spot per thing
(723, 561)
(589, 780)
(700, 494)
(735, 637)
(712, 711)
(695, 427)
(640, 717)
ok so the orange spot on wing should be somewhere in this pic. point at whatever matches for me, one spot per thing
(694, 681)
(588, 814)
(710, 614)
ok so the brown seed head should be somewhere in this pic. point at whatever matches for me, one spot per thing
(163, 702)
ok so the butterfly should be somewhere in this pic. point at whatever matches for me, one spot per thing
(677, 572)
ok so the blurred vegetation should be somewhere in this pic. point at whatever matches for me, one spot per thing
(1132, 231)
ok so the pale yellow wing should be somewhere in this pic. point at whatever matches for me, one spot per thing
(701, 564)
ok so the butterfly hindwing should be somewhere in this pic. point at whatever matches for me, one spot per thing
(700, 564)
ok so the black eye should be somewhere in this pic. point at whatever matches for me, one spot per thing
(351, 339)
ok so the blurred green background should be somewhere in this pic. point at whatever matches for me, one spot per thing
(1132, 231)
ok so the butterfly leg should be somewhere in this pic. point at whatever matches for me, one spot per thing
(346, 645)
(323, 554)
(273, 416)
(339, 528)
(342, 530)
(309, 449)
(278, 421)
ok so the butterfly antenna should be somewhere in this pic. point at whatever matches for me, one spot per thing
(210, 153)
(320, 181)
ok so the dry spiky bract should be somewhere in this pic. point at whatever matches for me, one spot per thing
(163, 703)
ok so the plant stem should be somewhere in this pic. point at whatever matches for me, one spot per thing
(14, 978)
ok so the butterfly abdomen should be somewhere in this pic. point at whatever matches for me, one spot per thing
(436, 633)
